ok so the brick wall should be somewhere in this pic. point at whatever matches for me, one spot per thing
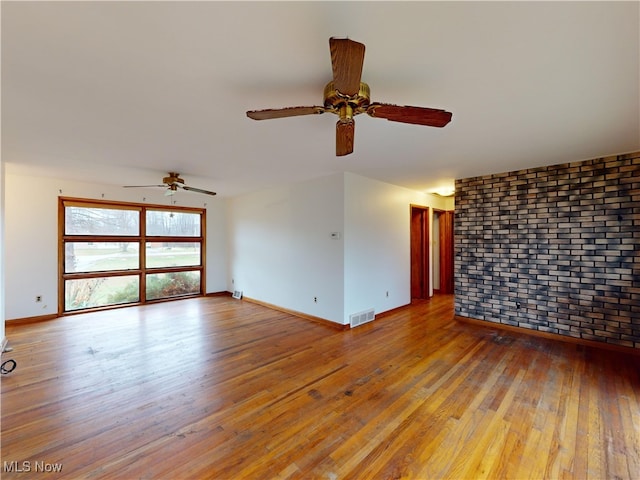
(554, 249)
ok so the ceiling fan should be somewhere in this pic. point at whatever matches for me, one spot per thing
(172, 183)
(346, 96)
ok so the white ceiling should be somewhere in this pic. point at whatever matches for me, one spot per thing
(122, 92)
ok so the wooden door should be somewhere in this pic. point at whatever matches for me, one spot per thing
(419, 252)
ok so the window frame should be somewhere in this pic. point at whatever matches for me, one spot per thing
(141, 239)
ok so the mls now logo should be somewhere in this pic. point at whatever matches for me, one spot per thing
(27, 466)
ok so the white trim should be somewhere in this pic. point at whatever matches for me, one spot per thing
(4, 344)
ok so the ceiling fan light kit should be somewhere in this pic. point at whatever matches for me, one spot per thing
(445, 191)
(347, 96)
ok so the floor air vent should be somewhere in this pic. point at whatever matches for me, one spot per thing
(356, 319)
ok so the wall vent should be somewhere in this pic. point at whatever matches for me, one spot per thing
(356, 319)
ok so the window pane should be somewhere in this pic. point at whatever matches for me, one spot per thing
(101, 221)
(173, 254)
(173, 224)
(100, 256)
(100, 292)
(174, 284)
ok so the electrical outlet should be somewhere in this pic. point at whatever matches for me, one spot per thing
(38, 298)
(315, 299)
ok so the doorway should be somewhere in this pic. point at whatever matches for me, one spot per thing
(420, 268)
(443, 253)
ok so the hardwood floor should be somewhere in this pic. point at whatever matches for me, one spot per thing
(226, 389)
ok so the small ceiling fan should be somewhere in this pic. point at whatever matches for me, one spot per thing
(346, 96)
(172, 183)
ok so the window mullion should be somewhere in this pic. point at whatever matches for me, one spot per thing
(143, 255)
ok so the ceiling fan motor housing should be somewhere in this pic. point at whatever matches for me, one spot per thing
(172, 179)
(346, 106)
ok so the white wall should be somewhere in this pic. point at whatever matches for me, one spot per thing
(377, 243)
(31, 236)
(281, 248)
(274, 245)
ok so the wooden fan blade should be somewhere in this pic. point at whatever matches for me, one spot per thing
(197, 190)
(142, 186)
(430, 117)
(283, 112)
(345, 132)
(347, 58)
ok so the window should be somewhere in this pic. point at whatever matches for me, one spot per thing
(114, 253)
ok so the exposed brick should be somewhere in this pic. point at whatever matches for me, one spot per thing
(561, 241)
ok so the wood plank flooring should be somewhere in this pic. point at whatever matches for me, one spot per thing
(225, 389)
